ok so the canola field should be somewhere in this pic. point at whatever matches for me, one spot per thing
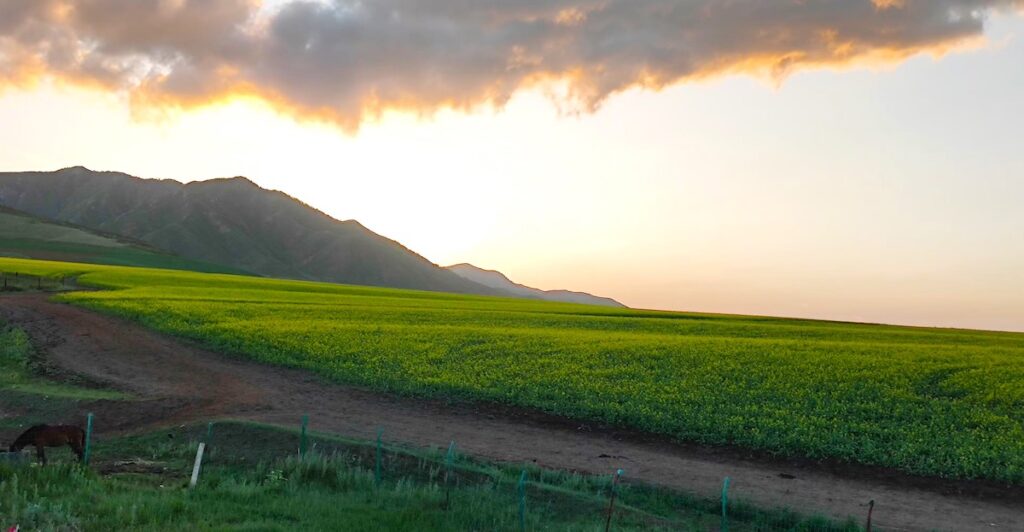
(928, 401)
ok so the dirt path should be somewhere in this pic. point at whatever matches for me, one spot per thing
(179, 383)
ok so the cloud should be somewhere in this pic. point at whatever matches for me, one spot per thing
(346, 60)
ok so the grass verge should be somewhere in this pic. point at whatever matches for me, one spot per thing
(252, 479)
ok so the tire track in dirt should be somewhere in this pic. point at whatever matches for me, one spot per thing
(177, 383)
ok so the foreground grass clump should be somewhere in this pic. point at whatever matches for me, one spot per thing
(252, 480)
(927, 401)
(316, 494)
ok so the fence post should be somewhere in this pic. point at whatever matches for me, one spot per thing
(448, 459)
(522, 502)
(377, 459)
(725, 505)
(611, 502)
(871, 507)
(88, 439)
(302, 435)
(195, 467)
(209, 432)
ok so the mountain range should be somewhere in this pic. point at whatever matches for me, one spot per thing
(234, 223)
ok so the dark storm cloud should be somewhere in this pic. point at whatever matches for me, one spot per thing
(345, 59)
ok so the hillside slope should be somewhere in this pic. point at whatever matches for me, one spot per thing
(229, 221)
(500, 281)
(25, 236)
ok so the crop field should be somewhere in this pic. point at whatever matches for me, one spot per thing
(928, 401)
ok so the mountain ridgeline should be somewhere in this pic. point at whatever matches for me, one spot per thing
(499, 281)
(234, 223)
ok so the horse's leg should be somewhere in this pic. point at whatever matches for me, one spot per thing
(41, 454)
(77, 448)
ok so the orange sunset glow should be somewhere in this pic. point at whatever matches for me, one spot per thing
(572, 144)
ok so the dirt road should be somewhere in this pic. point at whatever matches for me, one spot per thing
(177, 382)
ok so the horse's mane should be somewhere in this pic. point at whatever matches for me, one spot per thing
(26, 437)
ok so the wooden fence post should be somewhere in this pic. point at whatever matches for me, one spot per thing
(196, 466)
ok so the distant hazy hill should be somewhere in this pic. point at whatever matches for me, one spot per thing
(25, 236)
(232, 222)
(499, 281)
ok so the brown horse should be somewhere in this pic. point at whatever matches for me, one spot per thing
(51, 436)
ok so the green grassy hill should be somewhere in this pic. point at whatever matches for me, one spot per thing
(25, 236)
(232, 222)
(928, 401)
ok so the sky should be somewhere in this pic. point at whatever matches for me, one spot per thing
(837, 159)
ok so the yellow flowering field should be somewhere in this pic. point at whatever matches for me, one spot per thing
(930, 401)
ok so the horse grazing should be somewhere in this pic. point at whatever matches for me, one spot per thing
(51, 436)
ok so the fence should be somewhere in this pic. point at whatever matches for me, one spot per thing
(606, 500)
(607, 497)
(17, 282)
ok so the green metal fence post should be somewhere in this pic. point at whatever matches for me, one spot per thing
(88, 439)
(450, 456)
(376, 466)
(302, 435)
(209, 433)
(611, 502)
(725, 505)
(448, 459)
(522, 502)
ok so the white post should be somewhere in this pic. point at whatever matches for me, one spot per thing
(195, 468)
